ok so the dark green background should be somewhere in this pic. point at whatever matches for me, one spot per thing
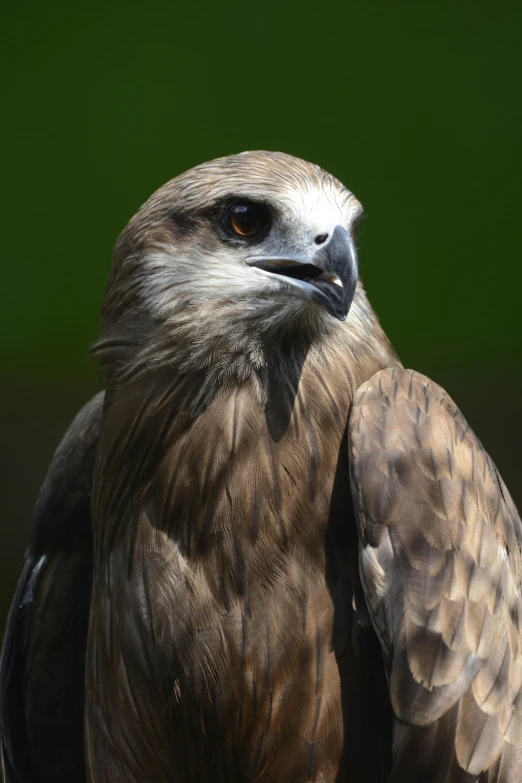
(415, 105)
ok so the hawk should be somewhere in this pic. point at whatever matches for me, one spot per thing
(267, 552)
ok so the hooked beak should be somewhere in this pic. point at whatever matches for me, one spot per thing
(328, 277)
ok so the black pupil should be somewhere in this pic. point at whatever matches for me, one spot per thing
(246, 220)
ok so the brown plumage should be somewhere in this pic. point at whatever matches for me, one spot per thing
(284, 521)
(441, 566)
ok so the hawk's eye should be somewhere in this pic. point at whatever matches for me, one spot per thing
(246, 220)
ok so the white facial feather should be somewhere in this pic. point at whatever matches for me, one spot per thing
(189, 276)
(321, 209)
(206, 307)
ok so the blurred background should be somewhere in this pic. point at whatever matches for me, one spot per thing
(415, 106)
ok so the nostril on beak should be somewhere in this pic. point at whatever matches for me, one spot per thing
(321, 239)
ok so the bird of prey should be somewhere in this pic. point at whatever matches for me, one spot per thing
(269, 553)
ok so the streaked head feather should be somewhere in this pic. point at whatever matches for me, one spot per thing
(181, 297)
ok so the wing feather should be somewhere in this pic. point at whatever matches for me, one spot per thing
(43, 655)
(441, 564)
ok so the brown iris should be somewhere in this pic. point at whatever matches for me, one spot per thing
(246, 220)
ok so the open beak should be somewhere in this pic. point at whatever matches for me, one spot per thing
(328, 277)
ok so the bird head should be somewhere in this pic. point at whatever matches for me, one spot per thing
(229, 260)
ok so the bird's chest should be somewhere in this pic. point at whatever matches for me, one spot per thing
(245, 496)
(228, 564)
